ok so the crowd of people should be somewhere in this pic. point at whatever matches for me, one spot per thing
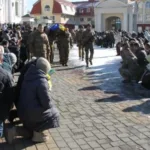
(105, 39)
(134, 50)
(31, 52)
(25, 51)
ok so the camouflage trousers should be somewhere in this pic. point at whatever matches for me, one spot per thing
(131, 75)
(89, 48)
(81, 51)
(63, 53)
(125, 73)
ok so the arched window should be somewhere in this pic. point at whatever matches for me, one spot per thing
(147, 11)
(47, 8)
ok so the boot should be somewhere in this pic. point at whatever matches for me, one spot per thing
(39, 137)
(10, 134)
(91, 62)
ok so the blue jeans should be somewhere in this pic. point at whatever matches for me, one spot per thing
(1, 128)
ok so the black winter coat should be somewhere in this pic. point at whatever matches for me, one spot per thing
(35, 104)
(6, 93)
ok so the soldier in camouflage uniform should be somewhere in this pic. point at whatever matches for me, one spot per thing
(88, 39)
(79, 36)
(63, 43)
(52, 38)
(130, 67)
(39, 43)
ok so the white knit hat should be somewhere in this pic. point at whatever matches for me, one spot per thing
(13, 58)
(43, 64)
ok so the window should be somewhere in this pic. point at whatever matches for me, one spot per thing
(64, 17)
(53, 18)
(81, 19)
(147, 11)
(81, 10)
(72, 9)
(88, 10)
(65, 7)
(89, 19)
(140, 12)
(147, 28)
(139, 29)
(16, 8)
(47, 8)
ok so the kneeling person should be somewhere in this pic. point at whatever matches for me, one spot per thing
(35, 106)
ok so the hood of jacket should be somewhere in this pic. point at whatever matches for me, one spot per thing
(33, 74)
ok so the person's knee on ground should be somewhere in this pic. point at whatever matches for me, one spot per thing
(40, 135)
(11, 132)
(125, 75)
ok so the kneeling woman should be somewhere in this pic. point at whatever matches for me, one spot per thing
(35, 106)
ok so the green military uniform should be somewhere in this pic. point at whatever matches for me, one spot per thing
(39, 45)
(63, 41)
(131, 70)
(52, 38)
(88, 39)
(79, 36)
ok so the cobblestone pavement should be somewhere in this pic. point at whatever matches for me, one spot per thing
(93, 116)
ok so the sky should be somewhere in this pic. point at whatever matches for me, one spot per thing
(31, 2)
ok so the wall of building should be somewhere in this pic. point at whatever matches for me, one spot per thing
(143, 20)
(57, 18)
(2, 12)
(67, 19)
(46, 12)
(84, 20)
(10, 11)
(113, 9)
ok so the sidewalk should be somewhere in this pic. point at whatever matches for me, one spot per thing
(92, 117)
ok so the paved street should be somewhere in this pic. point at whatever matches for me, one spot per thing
(97, 111)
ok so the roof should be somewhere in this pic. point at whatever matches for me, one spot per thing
(85, 4)
(64, 2)
(64, 7)
(36, 9)
(27, 15)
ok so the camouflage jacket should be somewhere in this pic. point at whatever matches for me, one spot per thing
(79, 37)
(39, 44)
(88, 37)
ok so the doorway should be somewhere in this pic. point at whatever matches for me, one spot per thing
(113, 23)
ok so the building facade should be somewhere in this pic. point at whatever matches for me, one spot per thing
(11, 11)
(128, 15)
(85, 12)
(143, 21)
(59, 11)
(116, 14)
